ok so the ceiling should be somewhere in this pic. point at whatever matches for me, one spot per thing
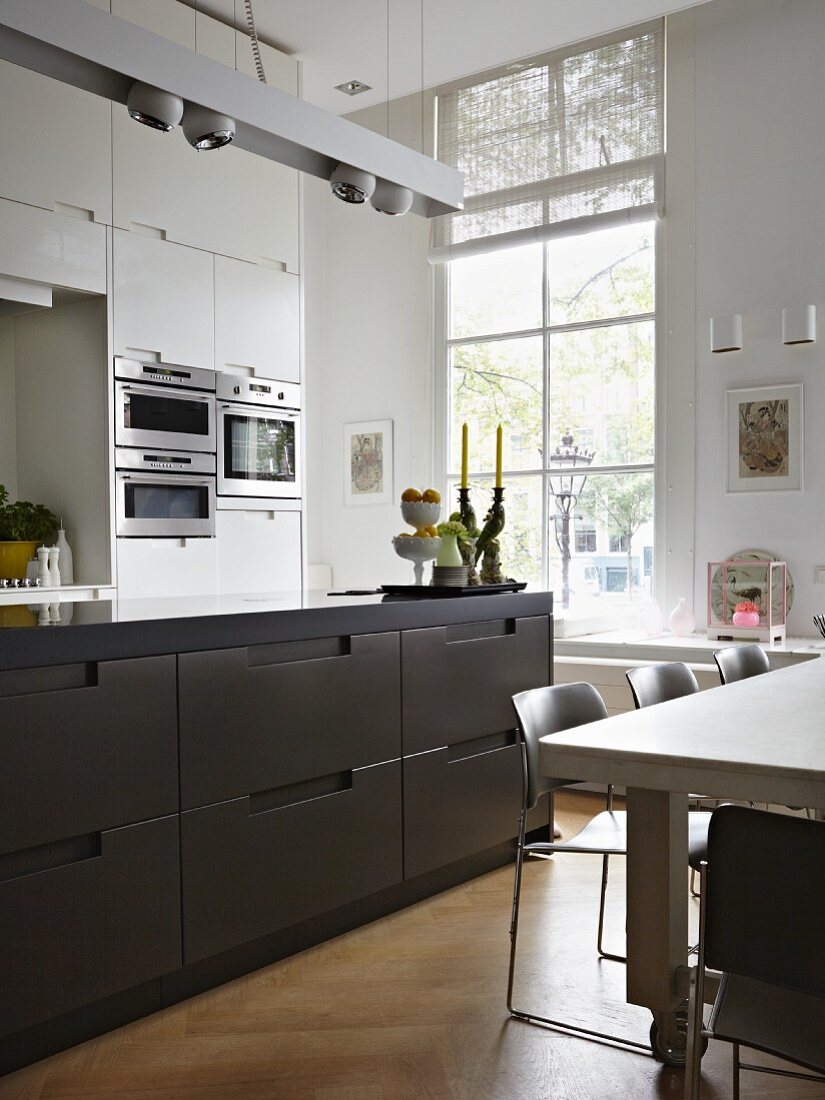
(338, 41)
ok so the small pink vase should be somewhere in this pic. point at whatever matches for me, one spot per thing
(746, 618)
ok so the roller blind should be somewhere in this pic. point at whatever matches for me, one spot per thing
(555, 145)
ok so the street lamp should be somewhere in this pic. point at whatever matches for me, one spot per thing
(571, 463)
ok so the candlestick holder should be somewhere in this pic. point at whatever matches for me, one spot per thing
(493, 522)
(465, 510)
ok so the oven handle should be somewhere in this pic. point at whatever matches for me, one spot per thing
(207, 479)
(183, 395)
(260, 410)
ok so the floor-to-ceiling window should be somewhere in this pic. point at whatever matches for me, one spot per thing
(550, 276)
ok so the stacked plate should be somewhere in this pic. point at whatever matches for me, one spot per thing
(450, 576)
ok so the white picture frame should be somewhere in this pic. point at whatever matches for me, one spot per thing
(368, 463)
(764, 443)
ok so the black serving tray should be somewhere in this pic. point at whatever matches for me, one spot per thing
(434, 592)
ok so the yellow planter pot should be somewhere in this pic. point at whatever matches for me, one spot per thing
(14, 557)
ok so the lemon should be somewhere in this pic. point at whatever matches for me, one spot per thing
(432, 532)
(411, 496)
(422, 533)
(431, 496)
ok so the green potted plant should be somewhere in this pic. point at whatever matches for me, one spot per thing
(23, 527)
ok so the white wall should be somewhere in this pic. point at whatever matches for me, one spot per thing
(760, 245)
(368, 357)
(8, 425)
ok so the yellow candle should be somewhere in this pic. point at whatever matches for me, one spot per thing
(464, 480)
(499, 440)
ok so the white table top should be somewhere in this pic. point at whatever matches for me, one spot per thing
(760, 739)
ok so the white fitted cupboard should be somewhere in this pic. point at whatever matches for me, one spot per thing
(257, 319)
(163, 300)
(259, 548)
(44, 247)
(166, 567)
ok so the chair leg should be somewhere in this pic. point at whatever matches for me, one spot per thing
(515, 912)
(735, 1071)
(605, 954)
(693, 891)
(694, 1037)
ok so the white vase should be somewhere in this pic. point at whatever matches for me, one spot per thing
(66, 558)
(651, 619)
(682, 620)
(449, 554)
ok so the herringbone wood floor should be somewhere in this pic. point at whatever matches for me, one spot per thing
(408, 1008)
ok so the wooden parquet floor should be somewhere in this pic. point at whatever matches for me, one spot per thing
(409, 1008)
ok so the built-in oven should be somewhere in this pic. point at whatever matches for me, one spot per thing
(164, 494)
(259, 437)
(163, 405)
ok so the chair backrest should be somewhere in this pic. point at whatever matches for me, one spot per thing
(653, 684)
(739, 662)
(766, 897)
(546, 710)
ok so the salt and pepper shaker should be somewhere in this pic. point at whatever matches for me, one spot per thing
(43, 566)
(54, 568)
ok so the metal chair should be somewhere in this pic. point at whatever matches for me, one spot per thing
(740, 662)
(767, 943)
(549, 710)
(652, 684)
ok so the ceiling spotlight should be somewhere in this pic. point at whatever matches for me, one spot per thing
(154, 107)
(351, 184)
(205, 129)
(353, 87)
(391, 198)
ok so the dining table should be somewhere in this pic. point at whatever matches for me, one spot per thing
(758, 740)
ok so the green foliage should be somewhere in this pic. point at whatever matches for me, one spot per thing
(24, 521)
(627, 503)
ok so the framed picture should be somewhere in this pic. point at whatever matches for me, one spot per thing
(368, 463)
(764, 439)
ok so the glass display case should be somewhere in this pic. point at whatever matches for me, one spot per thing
(747, 598)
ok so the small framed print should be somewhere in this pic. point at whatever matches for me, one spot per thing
(764, 439)
(368, 474)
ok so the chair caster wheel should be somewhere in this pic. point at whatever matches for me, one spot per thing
(673, 1054)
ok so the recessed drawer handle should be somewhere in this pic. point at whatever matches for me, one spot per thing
(314, 649)
(48, 857)
(36, 681)
(475, 632)
(279, 798)
(464, 750)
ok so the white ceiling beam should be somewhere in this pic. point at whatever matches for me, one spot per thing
(79, 44)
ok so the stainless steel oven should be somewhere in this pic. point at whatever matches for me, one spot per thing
(164, 494)
(163, 405)
(259, 437)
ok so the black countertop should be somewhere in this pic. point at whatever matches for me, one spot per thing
(97, 630)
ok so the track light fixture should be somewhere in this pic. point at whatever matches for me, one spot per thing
(154, 107)
(205, 129)
(391, 198)
(351, 184)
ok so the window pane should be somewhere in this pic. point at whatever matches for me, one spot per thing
(498, 383)
(497, 292)
(609, 273)
(602, 390)
(618, 508)
(521, 538)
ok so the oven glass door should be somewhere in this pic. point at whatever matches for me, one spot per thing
(174, 506)
(258, 452)
(150, 417)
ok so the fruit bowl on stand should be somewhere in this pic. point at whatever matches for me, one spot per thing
(418, 551)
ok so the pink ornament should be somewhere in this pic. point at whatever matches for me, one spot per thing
(746, 618)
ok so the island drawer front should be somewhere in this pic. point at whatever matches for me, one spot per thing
(86, 747)
(459, 681)
(75, 933)
(457, 806)
(247, 874)
(265, 716)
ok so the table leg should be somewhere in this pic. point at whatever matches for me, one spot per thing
(657, 903)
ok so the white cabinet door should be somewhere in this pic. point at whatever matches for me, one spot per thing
(167, 18)
(256, 319)
(163, 300)
(43, 247)
(56, 145)
(148, 568)
(259, 550)
(224, 200)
